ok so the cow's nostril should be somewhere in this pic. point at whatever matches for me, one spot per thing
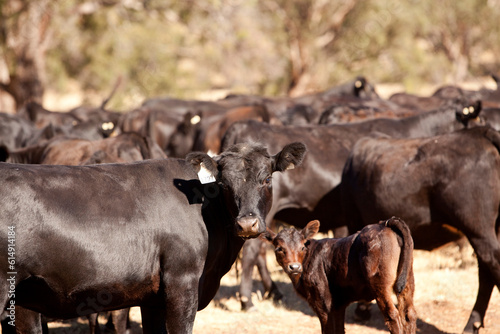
(295, 267)
(248, 227)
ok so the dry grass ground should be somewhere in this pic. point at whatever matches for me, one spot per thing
(446, 287)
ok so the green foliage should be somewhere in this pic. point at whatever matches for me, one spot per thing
(181, 48)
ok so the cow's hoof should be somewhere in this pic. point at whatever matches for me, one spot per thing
(247, 305)
(274, 294)
(362, 312)
(249, 309)
(474, 324)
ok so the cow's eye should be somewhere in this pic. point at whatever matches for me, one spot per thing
(268, 180)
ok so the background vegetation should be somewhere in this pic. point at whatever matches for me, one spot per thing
(181, 48)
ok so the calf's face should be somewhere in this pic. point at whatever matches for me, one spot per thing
(290, 247)
(244, 173)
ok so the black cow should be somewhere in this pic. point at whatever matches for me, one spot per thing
(62, 150)
(17, 132)
(95, 125)
(311, 191)
(161, 118)
(206, 134)
(433, 183)
(104, 237)
(42, 117)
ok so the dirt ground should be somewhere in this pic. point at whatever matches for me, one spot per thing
(446, 287)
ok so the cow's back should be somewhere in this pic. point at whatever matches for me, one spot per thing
(425, 180)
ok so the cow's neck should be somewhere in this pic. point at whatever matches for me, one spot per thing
(223, 247)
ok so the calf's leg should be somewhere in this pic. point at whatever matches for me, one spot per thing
(335, 323)
(406, 308)
(391, 315)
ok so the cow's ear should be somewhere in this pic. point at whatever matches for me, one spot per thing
(204, 165)
(476, 108)
(311, 229)
(268, 235)
(191, 119)
(289, 157)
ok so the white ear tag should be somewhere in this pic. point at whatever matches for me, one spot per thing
(204, 175)
(290, 166)
(195, 119)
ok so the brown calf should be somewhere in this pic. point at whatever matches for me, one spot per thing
(330, 274)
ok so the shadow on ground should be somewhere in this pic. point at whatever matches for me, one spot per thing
(292, 301)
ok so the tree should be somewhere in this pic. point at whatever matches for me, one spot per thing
(24, 29)
(310, 26)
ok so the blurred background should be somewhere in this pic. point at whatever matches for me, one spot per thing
(65, 53)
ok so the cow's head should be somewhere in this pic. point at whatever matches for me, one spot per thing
(291, 246)
(363, 89)
(244, 173)
(468, 112)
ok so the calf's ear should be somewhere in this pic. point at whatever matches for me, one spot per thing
(311, 229)
(290, 156)
(268, 235)
(204, 166)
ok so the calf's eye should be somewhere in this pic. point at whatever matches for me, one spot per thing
(268, 180)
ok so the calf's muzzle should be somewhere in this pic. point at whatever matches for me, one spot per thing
(294, 268)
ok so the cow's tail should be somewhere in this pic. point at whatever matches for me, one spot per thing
(405, 283)
(406, 257)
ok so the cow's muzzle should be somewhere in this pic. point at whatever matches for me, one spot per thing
(248, 227)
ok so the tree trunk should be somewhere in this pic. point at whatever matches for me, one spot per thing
(25, 28)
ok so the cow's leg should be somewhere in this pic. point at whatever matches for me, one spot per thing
(94, 323)
(486, 285)
(27, 321)
(119, 319)
(181, 292)
(250, 253)
(6, 328)
(153, 320)
(487, 249)
(270, 288)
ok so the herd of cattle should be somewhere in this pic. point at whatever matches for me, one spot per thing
(95, 217)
